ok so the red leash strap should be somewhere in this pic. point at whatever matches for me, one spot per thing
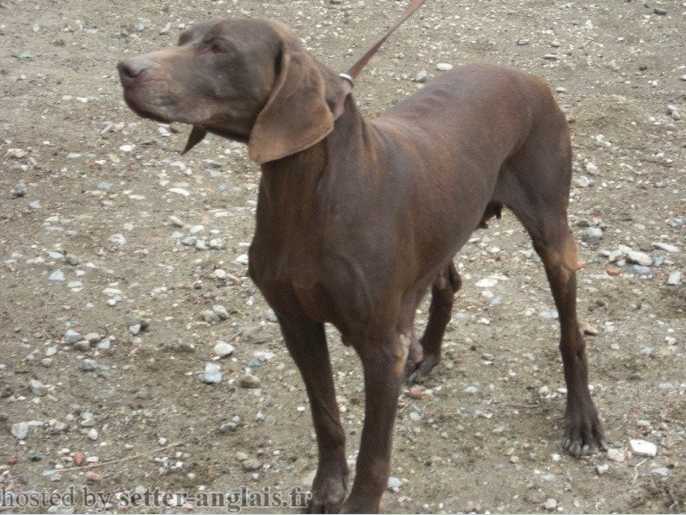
(364, 60)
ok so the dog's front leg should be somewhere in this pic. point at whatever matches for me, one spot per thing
(306, 341)
(383, 362)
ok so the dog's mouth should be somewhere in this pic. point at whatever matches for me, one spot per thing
(144, 111)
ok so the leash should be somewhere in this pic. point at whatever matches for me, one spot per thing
(357, 68)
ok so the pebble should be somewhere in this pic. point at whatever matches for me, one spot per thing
(592, 234)
(674, 279)
(93, 434)
(79, 458)
(588, 329)
(550, 504)
(683, 77)
(643, 448)
(56, 277)
(602, 468)
(416, 392)
(180, 191)
(220, 274)
(591, 168)
(660, 11)
(394, 484)
(661, 471)
(223, 349)
(249, 381)
(209, 316)
(673, 112)
(667, 247)
(88, 365)
(488, 282)
(613, 271)
(176, 222)
(550, 314)
(242, 259)
(220, 311)
(166, 29)
(19, 190)
(640, 258)
(104, 186)
(92, 476)
(118, 239)
(189, 241)
(18, 153)
(21, 430)
(104, 345)
(228, 427)
(444, 67)
(92, 338)
(88, 420)
(616, 455)
(421, 77)
(71, 337)
(82, 346)
(582, 181)
(251, 465)
(37, 388)
(216, 244)
(127, 148)
(641, 270)
(51, 351)
(212, 374)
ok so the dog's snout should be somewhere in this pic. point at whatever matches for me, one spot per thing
(134, 68)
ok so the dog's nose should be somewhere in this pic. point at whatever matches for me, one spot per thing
(134, 68)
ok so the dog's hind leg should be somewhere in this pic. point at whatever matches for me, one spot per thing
(535, 186)
(427, 353)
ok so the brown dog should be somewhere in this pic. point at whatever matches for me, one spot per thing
(357, 219)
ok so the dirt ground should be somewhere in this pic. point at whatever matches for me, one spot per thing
(87, 245)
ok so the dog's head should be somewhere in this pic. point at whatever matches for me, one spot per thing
(247, 80)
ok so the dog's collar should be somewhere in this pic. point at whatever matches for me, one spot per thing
(348, 78)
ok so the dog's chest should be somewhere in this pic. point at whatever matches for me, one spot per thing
(289, 278)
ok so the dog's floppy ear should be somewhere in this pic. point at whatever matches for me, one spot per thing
(297, 115)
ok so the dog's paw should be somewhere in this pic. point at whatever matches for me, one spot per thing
(584, 434)
(328, 493)
(420, 371)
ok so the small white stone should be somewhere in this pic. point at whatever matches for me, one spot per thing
(241, 260)
(667, 247)
(444, 67)
(56, 277)
(643, 448)
(127, 148)
(674, 279)
(93, 434)
(223, 349)
(602, 468)
(118, 239)
(488, 282)
(640, 258)
(394, 484)
(550, 504)
(180, 191)
(616, 455)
